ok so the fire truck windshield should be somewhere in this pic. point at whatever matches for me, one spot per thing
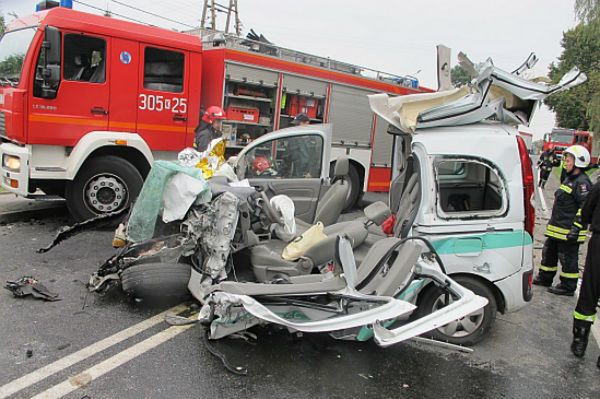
(13, 47)
(561, 137)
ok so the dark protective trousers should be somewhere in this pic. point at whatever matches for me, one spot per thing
(589, 293)
(568, 254)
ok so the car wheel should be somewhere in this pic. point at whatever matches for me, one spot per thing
(103, 185)
(470, 329)
(156, 280)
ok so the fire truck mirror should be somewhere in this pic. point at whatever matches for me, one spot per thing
(51, 71)
(52, 44)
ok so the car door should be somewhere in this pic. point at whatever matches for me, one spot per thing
(81, 103)
(292, 162)
(468, 222)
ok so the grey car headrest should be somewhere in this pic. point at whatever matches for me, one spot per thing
(377, 212)
(342, 167)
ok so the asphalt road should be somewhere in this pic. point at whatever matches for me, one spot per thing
(527, 355)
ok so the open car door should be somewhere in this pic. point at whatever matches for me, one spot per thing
(293, 162)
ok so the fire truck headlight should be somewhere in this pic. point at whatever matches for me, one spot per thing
(11, 163)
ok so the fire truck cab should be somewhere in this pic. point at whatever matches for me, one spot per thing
(93, 106)
(87, 103)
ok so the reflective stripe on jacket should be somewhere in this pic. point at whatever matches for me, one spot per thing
(566, 212)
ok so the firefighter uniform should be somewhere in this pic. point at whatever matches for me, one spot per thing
(565, 232)
(585, 311)
(545, 164)
(203, 137)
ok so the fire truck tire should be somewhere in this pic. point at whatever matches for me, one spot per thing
(355, 189)
(156, 280)
(103, 184)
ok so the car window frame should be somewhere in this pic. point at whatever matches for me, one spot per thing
(471, 215)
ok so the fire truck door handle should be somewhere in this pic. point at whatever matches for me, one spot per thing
(99, 111)
(179, 118)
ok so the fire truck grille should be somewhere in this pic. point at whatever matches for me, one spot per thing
(2, 124)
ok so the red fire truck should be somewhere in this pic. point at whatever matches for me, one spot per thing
(88, 102)
(559, 139)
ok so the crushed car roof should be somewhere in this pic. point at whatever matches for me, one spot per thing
(492, 94)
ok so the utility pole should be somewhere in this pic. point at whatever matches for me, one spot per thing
(214, 7)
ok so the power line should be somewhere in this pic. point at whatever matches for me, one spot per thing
(113, 13)
(154, 15)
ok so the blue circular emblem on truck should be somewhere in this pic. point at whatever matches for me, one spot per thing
(125, 57)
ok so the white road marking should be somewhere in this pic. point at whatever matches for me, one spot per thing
(82, 354)
(69, 385)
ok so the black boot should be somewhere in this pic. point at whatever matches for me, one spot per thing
(580, 340)
(538, 280)
(560, 289)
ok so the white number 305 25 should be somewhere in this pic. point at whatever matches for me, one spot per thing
(151, 102)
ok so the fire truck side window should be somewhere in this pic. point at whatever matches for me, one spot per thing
(84, 58)
(163, 70)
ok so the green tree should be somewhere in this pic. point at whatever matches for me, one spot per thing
(459, 76)
(10, 67)
(2, 25)
(587, 11)
(578, 108)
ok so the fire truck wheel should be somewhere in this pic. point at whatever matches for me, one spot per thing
(102, 185)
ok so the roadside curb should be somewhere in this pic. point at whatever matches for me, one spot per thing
(25, 215)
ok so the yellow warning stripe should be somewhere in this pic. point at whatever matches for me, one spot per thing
(103, 123)
(566, 188)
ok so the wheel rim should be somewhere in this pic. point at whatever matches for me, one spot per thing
(105, 193)
(462, 327)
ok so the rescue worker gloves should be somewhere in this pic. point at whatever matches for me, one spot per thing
(573, 234)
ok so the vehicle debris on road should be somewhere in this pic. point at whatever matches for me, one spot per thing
(28, 285)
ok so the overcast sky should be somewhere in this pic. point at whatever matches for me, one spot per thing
(392, 36)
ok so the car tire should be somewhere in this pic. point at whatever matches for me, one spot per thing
(103, 185)
(156, 280)
(468, 330)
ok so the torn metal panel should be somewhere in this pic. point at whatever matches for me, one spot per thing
(368, 309)
(67, 232)
(493, 94)
(467, 302)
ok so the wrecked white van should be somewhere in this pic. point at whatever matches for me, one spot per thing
(463, 179)
(460, 249)
(467, 190)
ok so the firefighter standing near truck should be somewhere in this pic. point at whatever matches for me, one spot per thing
(585, 311)
(565, 230)
(545, 164)
(209, 128)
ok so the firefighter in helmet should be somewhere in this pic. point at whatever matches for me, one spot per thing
(589, 294)
(565, 230)
(545, 164)
(209, 128)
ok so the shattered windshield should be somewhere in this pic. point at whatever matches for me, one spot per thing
(561, 137)
(13, 47)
